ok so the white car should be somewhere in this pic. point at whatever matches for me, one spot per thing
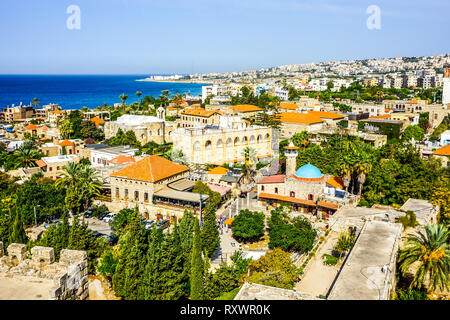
(109, 217)
(149, 224)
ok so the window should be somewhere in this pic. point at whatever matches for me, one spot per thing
(136, 195)
(292, 194)
(262, 188)
(126, 192)
(310, 197)
(117, 191)
(276, 190)
(146, 196)
(50, 169)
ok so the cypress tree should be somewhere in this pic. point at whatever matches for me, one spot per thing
(149, 288)
(197, 265)
(210, 232)
(17, 234)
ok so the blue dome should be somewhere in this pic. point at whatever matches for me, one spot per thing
(308, 171)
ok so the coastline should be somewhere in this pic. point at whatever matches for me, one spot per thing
(173, 81)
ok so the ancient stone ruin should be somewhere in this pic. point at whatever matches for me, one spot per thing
(63, 280)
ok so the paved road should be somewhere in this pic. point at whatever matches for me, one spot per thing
(98, 225)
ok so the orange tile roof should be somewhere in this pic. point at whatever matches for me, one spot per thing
(31, 127)
(179, 101)
(58, 112)
(200, 112)
(326, 114)
(245, 108)
(336, 182)
(288, 106)
(66, 143)
(97, 121)
(383, 116)
(151, 169)
(286, 199)
(444, 151)
(41, 163)
(44, 127)
(122, 159)
(328, 205)
(299, 118)
(387, 110)
(218, 170)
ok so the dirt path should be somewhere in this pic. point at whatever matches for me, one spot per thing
(318, 277)
(98, 289)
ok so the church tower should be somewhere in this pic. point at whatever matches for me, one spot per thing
(291, 153)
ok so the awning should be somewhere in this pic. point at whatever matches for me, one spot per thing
(41, 163)
(229, 221)
(220, 189)
(328, 205)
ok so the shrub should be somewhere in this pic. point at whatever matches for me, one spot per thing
(330, 260)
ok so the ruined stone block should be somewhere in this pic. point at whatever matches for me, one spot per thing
(42, 255)
(17, 252)
(69, 257)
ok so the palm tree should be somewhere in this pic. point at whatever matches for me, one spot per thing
(139, 94)
(431, 252)
(35, 102)
(69, 175)
(363, 167)
(90, 185)
(124, 98)
(26, 156)
(249, 160)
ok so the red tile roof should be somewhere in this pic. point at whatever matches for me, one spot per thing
(279, 178)
(299, 118)
(328, 205)
(66, 143)
(41, 163)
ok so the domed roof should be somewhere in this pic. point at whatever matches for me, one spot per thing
(308, 171)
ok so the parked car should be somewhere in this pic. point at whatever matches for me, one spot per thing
(149, 224)
(103, 215)
(163, 224)
(109, 217)
(87, 214)
(52, 222)
(112, 240)
(97, 234)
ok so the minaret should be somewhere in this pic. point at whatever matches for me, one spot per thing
(291, 153)
(446, 88)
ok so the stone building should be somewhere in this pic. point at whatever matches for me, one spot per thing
(51, 166)
(196, 117)
(305, 189)
(150, 185)
(443, 154)
(294, 122)
(146, 128)
(40, 277)
(225, 143)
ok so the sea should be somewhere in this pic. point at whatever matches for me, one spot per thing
(77, 91)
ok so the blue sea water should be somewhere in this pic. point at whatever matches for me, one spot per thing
(76, 91)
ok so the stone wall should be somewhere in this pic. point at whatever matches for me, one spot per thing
(69, 275)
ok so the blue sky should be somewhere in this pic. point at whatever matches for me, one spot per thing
(182, 36)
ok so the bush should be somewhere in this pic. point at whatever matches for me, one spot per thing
(330, 260)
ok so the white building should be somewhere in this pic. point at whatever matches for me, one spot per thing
(445, 138)
(282, 93)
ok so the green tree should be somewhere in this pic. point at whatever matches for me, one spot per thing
(248, 225)
(411, 132)
(275, 269)
(197, 266)
(431, 251)
(17, 234)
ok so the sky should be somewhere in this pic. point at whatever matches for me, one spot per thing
(201, 36)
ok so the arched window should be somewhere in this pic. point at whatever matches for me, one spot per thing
(197, 146)
(229, 142)
(276, 190)
(292, 194)
(208, 145)
(252, 139)
(236, 141)
(259, 139)
(245, 141)
(267, 137)
(219, 143)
